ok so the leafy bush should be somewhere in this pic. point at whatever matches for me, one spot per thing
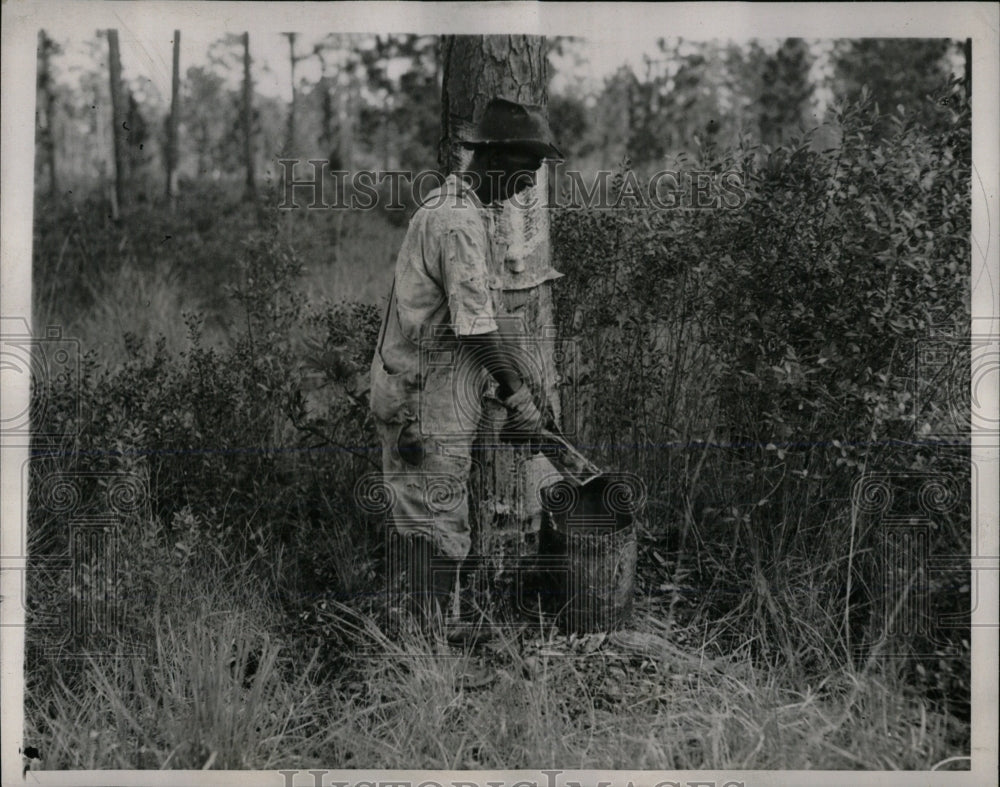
(761, 359)
(245, 452)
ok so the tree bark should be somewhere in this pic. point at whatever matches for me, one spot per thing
(172, 120)
(967, 53)
(118, 130)
(326, 133)
(247, 122)
(45, 47)
(293, 61)
(476, 70)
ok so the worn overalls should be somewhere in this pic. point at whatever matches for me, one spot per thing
(424, 385)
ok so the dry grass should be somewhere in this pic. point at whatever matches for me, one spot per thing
(346, 256)
(219, 689)
(352, 259)
(147, 304)
(215, 688)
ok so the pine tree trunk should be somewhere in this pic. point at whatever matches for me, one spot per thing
(172, 120)
(45, 46)
(247, 122)
(118, 130)
(476, 70)
(326, 132)
(967, 56)
(293, 60)
(347, 104)
(479, 68)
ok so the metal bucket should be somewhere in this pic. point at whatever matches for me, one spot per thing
(589, 529)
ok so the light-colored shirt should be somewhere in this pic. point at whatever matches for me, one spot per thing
(447, 280)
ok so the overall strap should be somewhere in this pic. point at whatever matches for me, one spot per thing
(385, 318)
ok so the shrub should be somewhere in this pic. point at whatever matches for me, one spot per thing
(761, 360)
(244, 451)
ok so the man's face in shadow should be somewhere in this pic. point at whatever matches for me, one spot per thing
(511, 171)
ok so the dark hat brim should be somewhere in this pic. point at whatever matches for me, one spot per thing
(541, 149)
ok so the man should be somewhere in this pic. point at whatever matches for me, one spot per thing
(440, 344)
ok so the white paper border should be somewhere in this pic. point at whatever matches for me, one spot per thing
(618, 22)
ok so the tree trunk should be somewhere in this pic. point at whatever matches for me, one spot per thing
(348, 102)
(118, 130)
(172, 119)
(247, 122)
(45, 47)
(326, 133)
(293, 60)
(95, 159)
(477, 69)
(967, 52)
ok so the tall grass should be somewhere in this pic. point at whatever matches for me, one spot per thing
(122, 301)
(352, 260)
(100, 280)
(220, 689)
(554, 705)
(215, 687)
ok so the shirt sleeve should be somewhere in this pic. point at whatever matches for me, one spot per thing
(466, 279)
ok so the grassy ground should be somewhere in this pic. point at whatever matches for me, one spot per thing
(226, 683)
(226, 662)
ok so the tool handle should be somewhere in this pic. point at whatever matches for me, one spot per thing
(568, 447)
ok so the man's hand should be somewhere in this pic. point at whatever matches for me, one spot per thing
(524, 420)
(490, 350)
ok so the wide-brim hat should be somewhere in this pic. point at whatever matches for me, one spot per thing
(507, 124)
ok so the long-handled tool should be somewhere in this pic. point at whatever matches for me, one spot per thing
(584, 471)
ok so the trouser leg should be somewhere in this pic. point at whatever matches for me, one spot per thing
(430, 516)
(429, 499)
(432, 581)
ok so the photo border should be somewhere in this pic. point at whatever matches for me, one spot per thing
(978, 21)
